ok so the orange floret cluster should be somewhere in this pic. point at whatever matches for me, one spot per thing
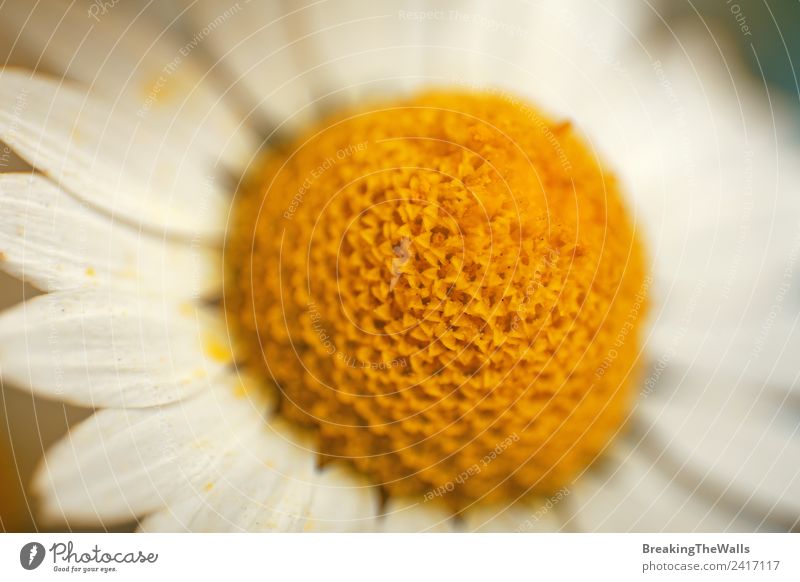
(447, 290)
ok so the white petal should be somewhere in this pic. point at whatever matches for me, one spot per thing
(104, 348)
(637, 494)
(49, 239)
(343, 502)
(272, 485)
(171, 519)
(120, 464)
(737, 440)
(249, 494)
(413, 515)
(122, 55)
(312, 54)
(258, 45)
(578, 55)
(724, 272)
(310, 506)
(714, 186)
(563, 55)
(100, 153)
(710, 168)
(347, 46)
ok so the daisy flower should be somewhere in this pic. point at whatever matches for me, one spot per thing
(343, 266)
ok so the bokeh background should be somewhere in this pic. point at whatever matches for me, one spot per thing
(29, 425)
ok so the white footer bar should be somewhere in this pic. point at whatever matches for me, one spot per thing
(402, 557)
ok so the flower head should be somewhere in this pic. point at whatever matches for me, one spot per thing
(455, 280)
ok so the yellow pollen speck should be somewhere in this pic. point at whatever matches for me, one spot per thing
(446, 290)
(199, 373)
(243, 386)
(158, 89)
(90, 272)
(216, 349)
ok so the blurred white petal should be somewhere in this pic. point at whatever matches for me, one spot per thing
(121, 464)
(53, 241)
(104, 348)
(105, 157)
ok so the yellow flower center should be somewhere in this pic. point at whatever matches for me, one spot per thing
(446, 290)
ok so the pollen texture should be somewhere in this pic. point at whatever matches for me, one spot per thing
(447, 291)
